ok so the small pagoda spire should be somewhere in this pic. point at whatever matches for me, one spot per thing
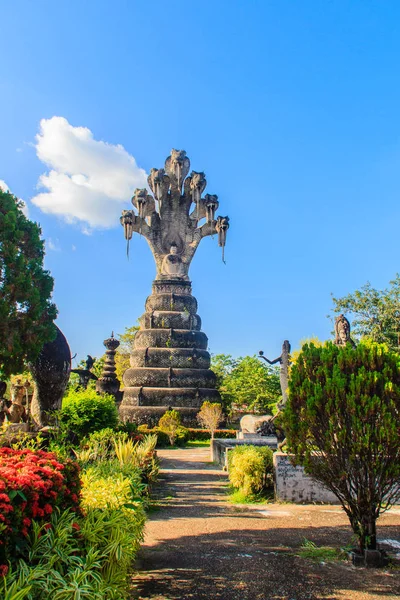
(108, 383)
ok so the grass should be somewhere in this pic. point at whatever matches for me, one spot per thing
(320, 553)
(238, 497)
(198, 444)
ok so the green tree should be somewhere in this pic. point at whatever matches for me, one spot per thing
(249, 383)
(26, 311)
(123, 353)
(375, 313)
(342, 422)
(169, 424)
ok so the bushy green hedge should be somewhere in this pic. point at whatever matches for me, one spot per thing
(85, 411)
(204, 434)
(251, 469)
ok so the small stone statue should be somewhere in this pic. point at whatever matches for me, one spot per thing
(16, 413)
(284, 360)
(85, 375)
(172, 265)
(342, 332)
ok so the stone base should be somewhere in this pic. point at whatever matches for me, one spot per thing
(221, 448)
(150, 415)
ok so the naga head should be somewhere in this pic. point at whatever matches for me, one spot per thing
(143, 202)
(177, 166)
(211, 204)
(158, 182)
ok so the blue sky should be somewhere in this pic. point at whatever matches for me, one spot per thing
(292, 110)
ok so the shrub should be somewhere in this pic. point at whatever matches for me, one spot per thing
(163, 439)
(32, 485)
(85, 412)
(342, 423)
(204, 434)
(210, 416)
(105, 492)
(78, 557)
(169, 424)
(251, 469)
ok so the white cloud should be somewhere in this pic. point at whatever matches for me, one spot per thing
(5, 188)
(89, 181)
(53, 245)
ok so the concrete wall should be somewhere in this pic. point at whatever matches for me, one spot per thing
(293, 485)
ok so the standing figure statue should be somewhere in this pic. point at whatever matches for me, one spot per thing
(284, 360)
(342, 332)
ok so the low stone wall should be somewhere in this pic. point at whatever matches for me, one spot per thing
(293, 485)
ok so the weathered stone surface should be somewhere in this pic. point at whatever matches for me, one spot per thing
(293, 485)
(170, 320)
(184, 358)
(161, 377)
(169, 361)
(108, 383)
(175, 397)
(174, 302)
(170, 338)
(51, 374)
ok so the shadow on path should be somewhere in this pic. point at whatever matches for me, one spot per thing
(198, 546)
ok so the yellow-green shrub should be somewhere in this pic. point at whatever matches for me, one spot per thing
(104, 492)
(250, 468)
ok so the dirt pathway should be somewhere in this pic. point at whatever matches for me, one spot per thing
(198, 546)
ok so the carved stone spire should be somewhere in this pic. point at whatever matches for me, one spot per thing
(174, 220)
(108, 382)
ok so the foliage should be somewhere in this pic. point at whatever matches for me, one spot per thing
(26, 312)
(246, 383)
(320, 553)
(32, 485)
(204, 434)
(78, 557)
(124, 350)
(294, 355)
(104, 492)
(181, 437)
(375, 313)
(210, 416)
(342, 422)
(250, 469)
(85, 411)
(169, 424)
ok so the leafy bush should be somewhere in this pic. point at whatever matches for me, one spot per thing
(85, 412)
(169, 424)
(105, 492)
(251, 469)
(163, 440)
(200, 435)
(32, 485)
(78, 557)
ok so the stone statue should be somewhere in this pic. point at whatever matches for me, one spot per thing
(108, 382)
(89, 362)
(342, 332)
(172, 266)
(169, 361)
(284, 361)
(50, 373)
(16, 412)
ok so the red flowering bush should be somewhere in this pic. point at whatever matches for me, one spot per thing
(32, 484)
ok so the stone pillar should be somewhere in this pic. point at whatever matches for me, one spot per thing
(108, 382)
(169, 362)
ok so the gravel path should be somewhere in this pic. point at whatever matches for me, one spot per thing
(200, 547)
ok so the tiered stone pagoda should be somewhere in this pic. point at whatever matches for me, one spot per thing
(169, 362)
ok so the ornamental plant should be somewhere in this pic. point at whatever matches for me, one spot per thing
(32, 485)
(250, 469)
(342, 422)
(169, 424)
(85, 411)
